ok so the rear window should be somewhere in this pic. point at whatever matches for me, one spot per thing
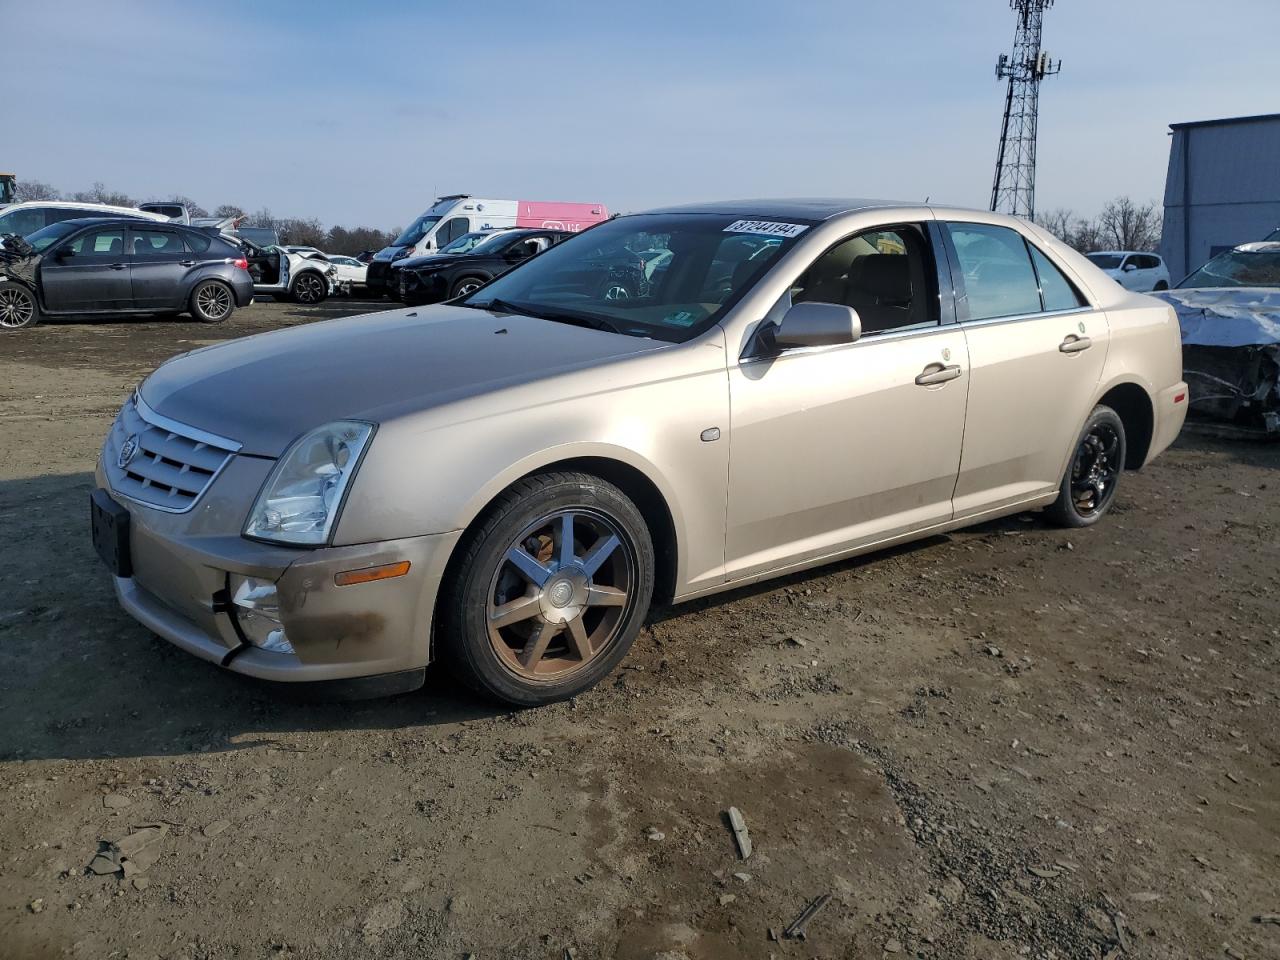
(196, 242)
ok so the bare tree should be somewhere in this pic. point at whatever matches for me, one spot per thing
(1124, 225)
(303, 233)
(228, 210)
(98, 193)
(1060, 222)
(29, 190)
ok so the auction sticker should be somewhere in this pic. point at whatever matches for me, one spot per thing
(767, 228)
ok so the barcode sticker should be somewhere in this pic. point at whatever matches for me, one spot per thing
(767, 228)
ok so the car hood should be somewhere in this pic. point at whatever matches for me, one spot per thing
(1226, 316)
(431, 260)
(388, 253)
(264, 391)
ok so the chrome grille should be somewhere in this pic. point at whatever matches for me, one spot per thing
(172, 464)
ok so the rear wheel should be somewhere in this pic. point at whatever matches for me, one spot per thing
(18, 307)
(465, 286)
(308, 288)
(1093, 475)
(1162, 286)
(212, 302)
(550, 590)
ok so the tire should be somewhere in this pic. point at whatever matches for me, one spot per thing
(1161, 286)
(1093, 473)
(19, 308)
(212, 301)
(465, 286)
(308, 288)
(570, 623)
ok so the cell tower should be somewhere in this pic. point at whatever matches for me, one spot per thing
(1014, 190)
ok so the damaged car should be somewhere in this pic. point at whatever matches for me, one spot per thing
(505, 482)
(284, 275)
(1229, 312)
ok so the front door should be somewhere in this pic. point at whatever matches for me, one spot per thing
(1036, 349)
(836, 448)
(87, 273)
(158, 266)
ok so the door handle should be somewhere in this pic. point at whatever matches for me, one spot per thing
(936, 373)
(186, 263)
(1074, 344)
(117, 266)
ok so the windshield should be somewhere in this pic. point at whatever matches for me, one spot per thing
(467, 242)
(666, 276)
(45, 238)
(416, 231)
(1236, 268)
(1107, 261)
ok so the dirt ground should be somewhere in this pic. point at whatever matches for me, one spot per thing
(1012, 741)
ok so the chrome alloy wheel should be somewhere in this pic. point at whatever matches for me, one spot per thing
(560, 595)
(17, 307)
(1095, 470)
(214, 301)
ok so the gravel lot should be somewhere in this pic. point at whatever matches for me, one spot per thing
(1012, 741)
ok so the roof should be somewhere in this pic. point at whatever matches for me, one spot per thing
(803, 208)
(106, 208)
(1226, 122)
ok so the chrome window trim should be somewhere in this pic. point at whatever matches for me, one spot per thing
(1018, 318)
(182, 429)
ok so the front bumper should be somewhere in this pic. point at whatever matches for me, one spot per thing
(377, 276)
(182, 575)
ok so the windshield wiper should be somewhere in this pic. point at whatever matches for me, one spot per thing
(555, 316)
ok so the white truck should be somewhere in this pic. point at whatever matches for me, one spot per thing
(452, 216)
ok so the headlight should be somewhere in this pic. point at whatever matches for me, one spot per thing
(301, 498)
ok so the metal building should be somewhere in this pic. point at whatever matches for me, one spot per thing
(1223, 188)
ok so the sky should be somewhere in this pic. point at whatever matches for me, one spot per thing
(360, 114)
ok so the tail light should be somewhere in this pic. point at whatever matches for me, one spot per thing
(242, 263)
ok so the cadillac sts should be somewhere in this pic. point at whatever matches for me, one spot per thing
(505, 482)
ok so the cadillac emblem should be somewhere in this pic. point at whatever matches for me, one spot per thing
(128, 450)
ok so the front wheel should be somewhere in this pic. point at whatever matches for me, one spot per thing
(1089, 486)
(550, 590)
(212, 302)
(1161, 286)
(308, 289)
(465, 286)
(18, 307)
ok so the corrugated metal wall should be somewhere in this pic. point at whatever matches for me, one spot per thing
(1233, 194)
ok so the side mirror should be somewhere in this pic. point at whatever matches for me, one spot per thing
(65, 253)
(818, 325)
(1130, 267)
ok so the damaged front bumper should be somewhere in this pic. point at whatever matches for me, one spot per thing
(184, 573)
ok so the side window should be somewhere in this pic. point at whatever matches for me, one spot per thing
(197, 242)
(102, 243)
(1150, 263)
(150, 243)
(887, 275)
(998, 277)
(451, 231)
(1059, 293)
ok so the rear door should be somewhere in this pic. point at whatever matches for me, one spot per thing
(87, 273)
(159, 265)
(1036, 351)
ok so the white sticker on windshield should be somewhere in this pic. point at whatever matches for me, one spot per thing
(767, 227)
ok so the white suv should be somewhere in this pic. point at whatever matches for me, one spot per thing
(1140, 272)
